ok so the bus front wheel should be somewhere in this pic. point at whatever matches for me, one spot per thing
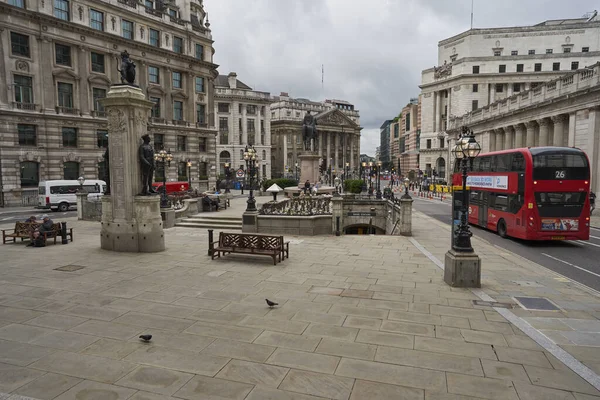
(502, 228)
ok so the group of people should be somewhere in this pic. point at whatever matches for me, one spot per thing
(36, 235)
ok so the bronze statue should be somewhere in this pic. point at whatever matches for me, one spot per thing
(127, 68)
(146, 155)
(309, 132)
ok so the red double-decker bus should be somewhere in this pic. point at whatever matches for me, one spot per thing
(538, 193)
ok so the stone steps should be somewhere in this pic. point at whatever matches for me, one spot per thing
(211, 222)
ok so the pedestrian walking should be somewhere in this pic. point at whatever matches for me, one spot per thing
(592, 202)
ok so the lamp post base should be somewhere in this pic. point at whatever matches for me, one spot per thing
(462, 269)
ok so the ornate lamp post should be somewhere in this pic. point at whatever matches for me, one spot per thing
(189, 167)
(465, 151)
(347, 172)
(81, 180)
(378, 196)
(406, 195)
(250, 159)
(227, 177)
(363, 166)
(296, 170)
(164, 158)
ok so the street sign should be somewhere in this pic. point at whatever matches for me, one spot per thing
(362, 214)
(240, 173)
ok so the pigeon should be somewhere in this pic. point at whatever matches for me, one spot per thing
(271, 304)
(146, 338)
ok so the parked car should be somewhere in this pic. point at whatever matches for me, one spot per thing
(61, 194)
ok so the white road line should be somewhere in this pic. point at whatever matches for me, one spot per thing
(588, 243)
(571, 265)
(595, 237)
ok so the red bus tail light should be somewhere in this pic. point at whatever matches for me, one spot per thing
(47, 199)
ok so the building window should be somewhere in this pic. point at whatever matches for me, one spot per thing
(30, 174)
(155, 111)
(127, 29)
(153, 75)
(182, 171)
(475, 88)
(199, 84)
(199, 52)
(177, 80)
(514, 53)
(549, 51)
(17, 3)
(27, 135)
(97, 95)
(65, 95)
(102, 138)
(566, 50)
(98, 62)
(575, 65)
(61, 10)
(177, 45)
(251, 109)
(497, 53)
(396, 131)
(159, 141)
(441, 141)
(149, 4)
(201, 114)
(96, 20)
(475, 69)
(502, 68)
(516, 87)
(181, 143)
(203, 171)
(63, 54)
(531, 52)
(519, 67)
(474, 105)
(556, 66)
(428, 145)
(154, 38)
(69, 137)
(407, 123)
(173, 12)
(499, 87)
(537, 67)
(224, 124)
(19, 44)
(288, 113)
(71, 170)
(23, 89)
(202, 145)
(585, 49)
(223, 107)
(178, 110)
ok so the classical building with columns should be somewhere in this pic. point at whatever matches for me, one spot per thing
(562, 112)
(58, 58)
(480, 67)
(338, 128)
(243, 118)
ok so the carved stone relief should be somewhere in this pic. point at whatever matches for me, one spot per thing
(116, 131)
(80, 9)
(141, 32)
(113, 21)
(22, 65)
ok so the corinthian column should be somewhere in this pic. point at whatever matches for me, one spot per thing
(508, 135)
(492, 136)
(559, 129)
(499, 138)
(543, 123)
(530, 126)
(519, 132)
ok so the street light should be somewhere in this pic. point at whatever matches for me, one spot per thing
(189, 166)
(227, 177)
(347, 172)
(164, 158)
(465, 151)
(378, 196)
(406, 195)
(81, 180)
(250, 159)
(296, 171)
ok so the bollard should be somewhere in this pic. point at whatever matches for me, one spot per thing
(337, 226)
(210, 242)
(64, 233)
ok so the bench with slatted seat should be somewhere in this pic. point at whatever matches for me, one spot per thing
(250, 243)
(23, 231)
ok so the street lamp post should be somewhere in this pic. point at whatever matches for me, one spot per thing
(364, 173)
(189, 166)
(250, 158)
(296, 171)
(378, 196)
(347, 172)
(164, 158)
(406, 195)
(227, 176)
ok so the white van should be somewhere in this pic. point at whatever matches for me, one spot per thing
(60, 195)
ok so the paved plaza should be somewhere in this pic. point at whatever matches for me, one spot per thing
(359, 317)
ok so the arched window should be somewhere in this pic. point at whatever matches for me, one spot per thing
(71, 170)
(441, 167)
(224, 157)
(30, 174)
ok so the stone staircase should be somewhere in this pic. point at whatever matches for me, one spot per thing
(216, 222)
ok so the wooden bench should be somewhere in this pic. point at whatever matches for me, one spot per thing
(23, 231)
(250, 243)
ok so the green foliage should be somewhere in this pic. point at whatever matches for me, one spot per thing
(353, 185)
(281, 182)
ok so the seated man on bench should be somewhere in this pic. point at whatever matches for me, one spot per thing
(210, 202)
(46, 226)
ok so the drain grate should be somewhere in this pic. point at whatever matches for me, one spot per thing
(527, 283)
(536, 304)
(69, 268)
(492, 304)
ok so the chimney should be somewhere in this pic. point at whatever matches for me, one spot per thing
(232, 78)
(284, 94)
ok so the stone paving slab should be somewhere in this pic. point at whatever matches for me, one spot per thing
(360, 317)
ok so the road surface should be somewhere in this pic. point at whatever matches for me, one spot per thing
(8, 215)
(577, 260)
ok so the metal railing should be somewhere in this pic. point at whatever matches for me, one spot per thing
(25, 106)
(67, 110)
(99, 114)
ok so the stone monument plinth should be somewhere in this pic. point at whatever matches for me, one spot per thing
(309, 168)
(130, 222)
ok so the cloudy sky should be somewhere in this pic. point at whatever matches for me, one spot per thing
(373, 51)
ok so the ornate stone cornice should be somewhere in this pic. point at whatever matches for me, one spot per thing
(557, 119)
(65, 73)
(530, 124)
(543, 122)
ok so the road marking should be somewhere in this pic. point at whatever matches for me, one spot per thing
(588, 243)
(571, 265)
(595, 237)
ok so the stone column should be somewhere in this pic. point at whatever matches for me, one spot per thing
(438, 113)
(571, 135)
(543, 123)
(130, 222)
(406, 216)
(508, 135)
(283, 136)
(499, 132)
(5, 41)
(519, 132)
(530, 139)
(492, 136)
(351, 151)
(559, 129)
(49, 91)
(492, 93)
(328, 156)
(337, 152)
(320, 143)
(294, 150)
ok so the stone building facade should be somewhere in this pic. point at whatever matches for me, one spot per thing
(58, 58)
(482, 66)
(243, 118)
(562, 112)
(384, 143)
(338, 127)
(410, 130)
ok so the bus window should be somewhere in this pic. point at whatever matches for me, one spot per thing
(501, 163)
(475, 198)
(485, 164)
(515, 202)
(477, 165)
(501, 203)
(518, 162)
(554, 165)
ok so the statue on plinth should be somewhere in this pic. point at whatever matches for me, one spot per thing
(127, 68)
(309, 132)
(146, 155)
